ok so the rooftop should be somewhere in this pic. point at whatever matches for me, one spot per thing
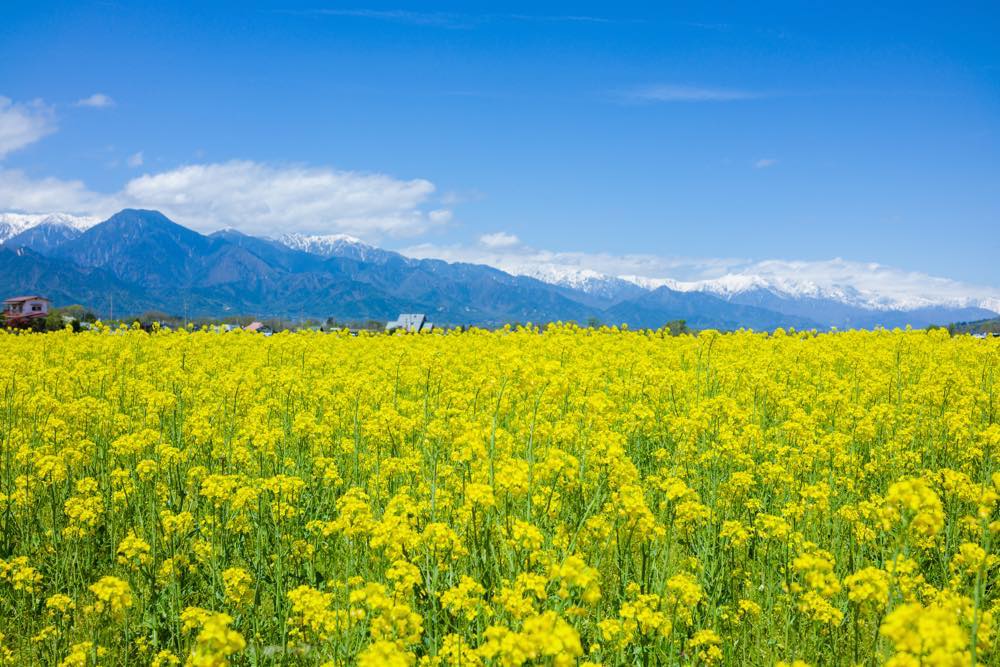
(20, 299)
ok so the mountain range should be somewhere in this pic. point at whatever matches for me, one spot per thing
(139, 260)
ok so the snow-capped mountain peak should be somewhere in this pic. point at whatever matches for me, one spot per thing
(743, 285)
(12, 224)
(588, 281)
(651, 283)
(335, 245)
(556, 274)
(318, 243)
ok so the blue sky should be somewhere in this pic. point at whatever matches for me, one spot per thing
(695, 136)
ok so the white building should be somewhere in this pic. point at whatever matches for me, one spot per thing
(19, 309)
(410, 322)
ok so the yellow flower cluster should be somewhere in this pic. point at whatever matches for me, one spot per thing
(464, 599)
(215, 640)
(559, 496)
(112, 595)
(19, 573)
(544, 637)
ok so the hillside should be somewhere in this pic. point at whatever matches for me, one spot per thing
(987, 326)
(141, 260)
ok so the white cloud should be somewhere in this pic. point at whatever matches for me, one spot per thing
(135, 160)
(764, 163)
(263, 199)
(252, 197)
(95, 101)
(23, 124)
(499, 240)
(440, 216)
(20, 193)
(677, 93)
(508, 253)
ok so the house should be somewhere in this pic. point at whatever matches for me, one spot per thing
(411, 323)
(258, 327)
(19, 310)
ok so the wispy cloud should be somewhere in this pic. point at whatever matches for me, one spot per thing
(434, 19)
(454, 20)
(135, 159)
(95, 101)
(441, 216)
(556, 18)
(22, 124)
(499, 240)
(682, 93)
(765, 162)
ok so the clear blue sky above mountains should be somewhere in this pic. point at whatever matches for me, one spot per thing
(749, 131)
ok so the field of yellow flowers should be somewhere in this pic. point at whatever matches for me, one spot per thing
(520, 497)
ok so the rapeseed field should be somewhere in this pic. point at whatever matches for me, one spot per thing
(520, 497)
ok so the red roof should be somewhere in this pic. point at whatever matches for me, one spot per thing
(21, 299)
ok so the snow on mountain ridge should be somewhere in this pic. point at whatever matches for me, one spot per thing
(588, 281)
(335, 245)
(12, 224)
(557, 274)
(304, 241)
(734, 284)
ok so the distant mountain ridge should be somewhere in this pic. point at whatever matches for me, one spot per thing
(141, 260)
(735, 285)
(841, 306)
